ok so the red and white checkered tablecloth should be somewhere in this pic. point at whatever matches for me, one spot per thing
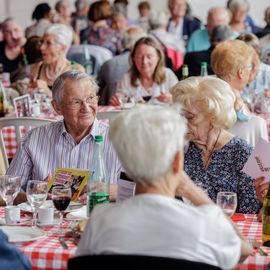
(252, 229)
(47, 252)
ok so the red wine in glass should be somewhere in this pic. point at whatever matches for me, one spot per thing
(61, 203)
(146, 98)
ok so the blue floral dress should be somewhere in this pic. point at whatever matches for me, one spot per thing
(224, 173)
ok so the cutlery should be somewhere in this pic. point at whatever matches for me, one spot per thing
(63, 242)
(256, 245)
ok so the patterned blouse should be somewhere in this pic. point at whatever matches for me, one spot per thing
(224, 173)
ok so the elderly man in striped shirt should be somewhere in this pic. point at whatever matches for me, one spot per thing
(68, 143)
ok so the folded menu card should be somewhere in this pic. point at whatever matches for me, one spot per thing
(76, 179)
(258, 163)
(125, 187)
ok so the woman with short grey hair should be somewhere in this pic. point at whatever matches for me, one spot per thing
(55, 44)
(215, 157)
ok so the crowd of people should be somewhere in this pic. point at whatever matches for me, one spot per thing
(216, 117)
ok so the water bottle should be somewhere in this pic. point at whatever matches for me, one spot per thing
(204, 71)
(266, 220)
(98, 186)
(88, 64)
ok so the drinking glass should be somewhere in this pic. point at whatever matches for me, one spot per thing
(61, 196)
(9, 188)
(36, 193)
(227, 202)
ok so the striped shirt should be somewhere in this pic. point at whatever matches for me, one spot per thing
(46, 148)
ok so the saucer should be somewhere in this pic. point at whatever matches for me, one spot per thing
(54, 222)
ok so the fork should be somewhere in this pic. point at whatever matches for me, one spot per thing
(257, 246)
(63, 242)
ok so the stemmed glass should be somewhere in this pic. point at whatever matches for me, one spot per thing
(61, 196)
(36, 193)
(9, 188)
(227, 202)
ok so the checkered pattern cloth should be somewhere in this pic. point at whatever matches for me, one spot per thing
(252, 229)
(47, 252)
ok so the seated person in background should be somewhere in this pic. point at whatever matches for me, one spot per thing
(32, 55)
(215, 157)
(11, 257)
(155, 161)
(114, 69)
(68, 143)
(147, 76)
(266, 30)
(257, 88)
(43, 16)
(181, 24)
(200, 39)
(240, 20)
(144, 20)
(194, 59)
(11, 46)
(55, 44)
(233, 61)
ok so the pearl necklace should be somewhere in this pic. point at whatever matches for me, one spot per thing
(53, 78)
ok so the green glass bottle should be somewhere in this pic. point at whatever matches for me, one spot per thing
(266, 220)
(98, 187)
(184, 71)
(204, 71)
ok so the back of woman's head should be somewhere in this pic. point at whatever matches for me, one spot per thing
(32, 49)
(211, 95)
(159, 75)
(99, 10)
(147, 139)
(41, 11)
(63, 35)
(252, 40)
(230, 56)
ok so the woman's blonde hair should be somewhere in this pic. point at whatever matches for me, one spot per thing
(159, 73)
(212, 95)
(230, 56)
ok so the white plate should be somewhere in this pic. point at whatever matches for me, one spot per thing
(73, 206)
(22, 221)
(79, 214)
(22, 234)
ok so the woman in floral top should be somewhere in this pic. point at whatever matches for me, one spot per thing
(215, 157)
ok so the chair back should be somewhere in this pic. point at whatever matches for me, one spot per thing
(21, 125)
(91, 57)
(136, 262)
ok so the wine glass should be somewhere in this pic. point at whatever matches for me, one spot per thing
(61, 196)
(36, 193)
(227, 202)
(9, 188)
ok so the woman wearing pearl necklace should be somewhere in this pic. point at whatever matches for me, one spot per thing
(55, 44)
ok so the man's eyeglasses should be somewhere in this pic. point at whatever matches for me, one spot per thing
(77, 103)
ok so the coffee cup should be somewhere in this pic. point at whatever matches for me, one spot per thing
(12, 214)
(45, 215)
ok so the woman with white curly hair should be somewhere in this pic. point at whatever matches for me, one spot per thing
(54, 46)
(215, 157)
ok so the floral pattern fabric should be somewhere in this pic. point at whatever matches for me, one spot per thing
(224, 173)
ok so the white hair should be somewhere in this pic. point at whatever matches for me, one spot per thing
(63, 35)
(147, 139)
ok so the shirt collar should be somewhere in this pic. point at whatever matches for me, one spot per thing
(93, 131)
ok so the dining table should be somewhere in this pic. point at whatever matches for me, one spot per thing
(47, 252)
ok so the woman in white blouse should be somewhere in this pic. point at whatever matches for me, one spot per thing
(147, 78)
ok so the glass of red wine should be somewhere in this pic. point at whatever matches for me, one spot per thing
(61, 196)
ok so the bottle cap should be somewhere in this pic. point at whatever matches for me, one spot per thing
(204, 64)
(98, 138)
